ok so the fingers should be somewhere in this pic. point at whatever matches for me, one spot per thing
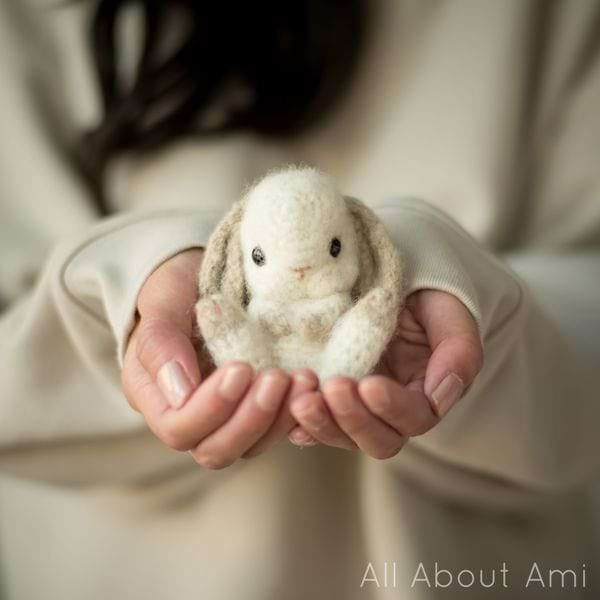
(347, 416)
(457, 355)
(300, 437)
(371, 435)
(303, 381)
(255, 414)
(406, 409)
(312, 414)
(210, 406)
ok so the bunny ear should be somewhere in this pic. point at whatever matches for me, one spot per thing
(380, 263)
(222, 270)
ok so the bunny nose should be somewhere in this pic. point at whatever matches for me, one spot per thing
(301, 271)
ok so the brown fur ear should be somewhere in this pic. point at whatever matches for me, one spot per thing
(366, 273)
(222, 269)
(380, 263)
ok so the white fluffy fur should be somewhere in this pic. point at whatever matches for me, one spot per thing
(302, 307)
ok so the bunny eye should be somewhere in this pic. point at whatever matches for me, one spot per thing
(258, 256)
(335, 247)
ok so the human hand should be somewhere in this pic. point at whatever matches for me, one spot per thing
(218, 415)
(434, 357)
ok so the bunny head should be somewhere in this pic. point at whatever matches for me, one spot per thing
(298, 238)
(293, 237)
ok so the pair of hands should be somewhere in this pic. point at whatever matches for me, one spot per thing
(231, 412)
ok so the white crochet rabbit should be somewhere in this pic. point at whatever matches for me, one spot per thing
(297, 275)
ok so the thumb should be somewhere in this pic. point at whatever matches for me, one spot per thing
(457, 354)
(163, 336)
(168, 355)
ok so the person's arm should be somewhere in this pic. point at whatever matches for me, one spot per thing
(531, 417)
(528, 419)
(62, 412)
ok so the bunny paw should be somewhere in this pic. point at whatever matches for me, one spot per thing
(218, 316)
(229, 335)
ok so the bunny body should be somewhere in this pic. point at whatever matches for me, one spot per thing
(299, 331)
(298, 275)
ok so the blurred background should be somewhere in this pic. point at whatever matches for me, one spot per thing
(486, 110)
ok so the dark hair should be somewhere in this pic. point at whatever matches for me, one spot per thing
(269, 66)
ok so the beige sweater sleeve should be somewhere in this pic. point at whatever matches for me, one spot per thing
(59, 347)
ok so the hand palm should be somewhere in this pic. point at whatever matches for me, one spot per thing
(436, 352)
(408, 354)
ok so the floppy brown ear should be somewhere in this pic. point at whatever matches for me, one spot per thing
(380, 263)
(222, 270)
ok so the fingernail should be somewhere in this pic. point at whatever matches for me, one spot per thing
(301, 438)
(235, 380)
(174, 383)
(304, 379)
(447, 393)
(270, 391)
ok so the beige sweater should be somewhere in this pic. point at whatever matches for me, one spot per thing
(473, 124)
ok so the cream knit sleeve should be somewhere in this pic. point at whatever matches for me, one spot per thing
(531, 418)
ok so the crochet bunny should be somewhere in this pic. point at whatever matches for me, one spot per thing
(297, 275)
